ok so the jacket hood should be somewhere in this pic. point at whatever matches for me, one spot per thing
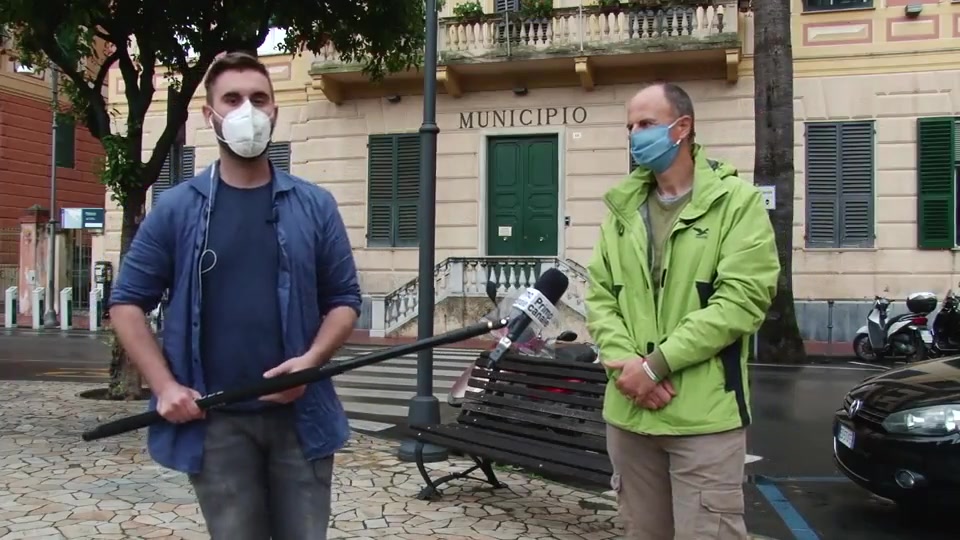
(708, 185)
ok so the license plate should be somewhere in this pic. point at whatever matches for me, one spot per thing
(926, 336)
(845, 436)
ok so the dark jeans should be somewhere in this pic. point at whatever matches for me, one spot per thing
(256, 483)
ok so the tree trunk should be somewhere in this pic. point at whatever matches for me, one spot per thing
(779, 339)
(125, 380)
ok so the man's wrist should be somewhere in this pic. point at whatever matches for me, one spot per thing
(649, 371)
(318, 356)
(658, 364)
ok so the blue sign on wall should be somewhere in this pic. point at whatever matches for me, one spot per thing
(82, 218)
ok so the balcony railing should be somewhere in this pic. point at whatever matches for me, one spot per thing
(638, 27)
(468, 277)
(570, 32)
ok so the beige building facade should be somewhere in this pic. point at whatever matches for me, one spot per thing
(528, 146)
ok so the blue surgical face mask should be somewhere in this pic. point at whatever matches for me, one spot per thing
(652, 148)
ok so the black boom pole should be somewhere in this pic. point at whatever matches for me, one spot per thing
(425, 408)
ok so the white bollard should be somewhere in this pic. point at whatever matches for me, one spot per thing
(95, 307)
(10, 307)
(36, 307)
(66, 308)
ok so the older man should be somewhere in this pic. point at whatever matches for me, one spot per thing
(683, 274)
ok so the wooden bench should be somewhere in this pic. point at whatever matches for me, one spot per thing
(517, 420)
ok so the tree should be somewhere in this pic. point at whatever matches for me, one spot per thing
(84, 39)
(779, 338)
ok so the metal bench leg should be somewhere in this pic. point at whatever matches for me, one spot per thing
(487, 467)
(430, 490)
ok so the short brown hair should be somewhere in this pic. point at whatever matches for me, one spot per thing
(233, 61)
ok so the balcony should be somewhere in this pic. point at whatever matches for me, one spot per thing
(586, 47)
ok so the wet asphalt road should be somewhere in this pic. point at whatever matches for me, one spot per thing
(794, 491)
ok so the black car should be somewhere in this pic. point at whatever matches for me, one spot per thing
(898, 434)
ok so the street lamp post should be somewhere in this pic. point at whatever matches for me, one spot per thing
(49, 315)
(424, 407)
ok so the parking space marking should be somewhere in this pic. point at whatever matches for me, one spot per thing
(785, 509)
(802, 479)
(815, 366)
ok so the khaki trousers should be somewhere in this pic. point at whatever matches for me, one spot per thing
(679, 487)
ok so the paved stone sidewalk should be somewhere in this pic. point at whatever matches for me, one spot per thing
(54, 485)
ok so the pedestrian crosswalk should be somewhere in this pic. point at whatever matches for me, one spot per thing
(377, 397)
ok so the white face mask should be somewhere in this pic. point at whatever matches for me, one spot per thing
(246, 130)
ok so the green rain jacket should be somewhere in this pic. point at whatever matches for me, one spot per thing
(720, 271)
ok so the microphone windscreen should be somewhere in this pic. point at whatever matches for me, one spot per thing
(552, 284)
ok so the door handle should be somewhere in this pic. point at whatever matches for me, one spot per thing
(541, 239)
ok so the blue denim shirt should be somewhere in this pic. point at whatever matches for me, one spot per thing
(317, 274)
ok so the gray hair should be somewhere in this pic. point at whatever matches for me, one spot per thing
(680, 101)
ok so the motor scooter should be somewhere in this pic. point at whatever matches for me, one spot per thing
(562, 347)
(946, 327)
(905, 335)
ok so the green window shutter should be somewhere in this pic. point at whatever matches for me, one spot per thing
(380, 198)
(393, 194)
(823, 174)
(279, 155)
(408, 189)
(856, 184)
(936, 141)
(163, 182)
(66, 141)
(188, 164)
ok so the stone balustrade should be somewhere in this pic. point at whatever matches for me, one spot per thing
(592, 30)
(467, 277)
(569, 31)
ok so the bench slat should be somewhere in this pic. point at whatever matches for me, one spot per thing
(536, 393)
(500, 456)
(540, 408)
(582, 441)
(565, 424)
(585, 387)
(548, 368)
(522, 446)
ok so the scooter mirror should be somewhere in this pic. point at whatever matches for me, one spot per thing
(567, 335)
(492, 292)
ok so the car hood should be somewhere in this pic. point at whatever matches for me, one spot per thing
(934, 382)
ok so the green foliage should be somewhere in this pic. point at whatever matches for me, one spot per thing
(536, 9)
(469, 11)
(179, 39)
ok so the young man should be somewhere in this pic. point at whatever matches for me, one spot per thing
(674, 334)
(262, 281)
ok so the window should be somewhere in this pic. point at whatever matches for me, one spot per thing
(832, 5)
(273, 43)
(279, 155)
(938, 164)
(839, 194)
(506, 5)
(66, 141)
(393, 195)
(167, 179)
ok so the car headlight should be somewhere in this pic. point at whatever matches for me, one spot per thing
(933, 421)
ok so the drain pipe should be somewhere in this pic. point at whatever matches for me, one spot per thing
(506, 19)
(830, 326)
(580, 26)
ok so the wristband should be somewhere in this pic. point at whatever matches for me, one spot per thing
(649, 371)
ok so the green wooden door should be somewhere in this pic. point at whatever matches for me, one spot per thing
(522, 196)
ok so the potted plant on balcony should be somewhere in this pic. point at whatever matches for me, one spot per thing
(469, 12)
(536, 10)
(609, 6)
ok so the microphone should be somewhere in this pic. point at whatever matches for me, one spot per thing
(537, 305)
